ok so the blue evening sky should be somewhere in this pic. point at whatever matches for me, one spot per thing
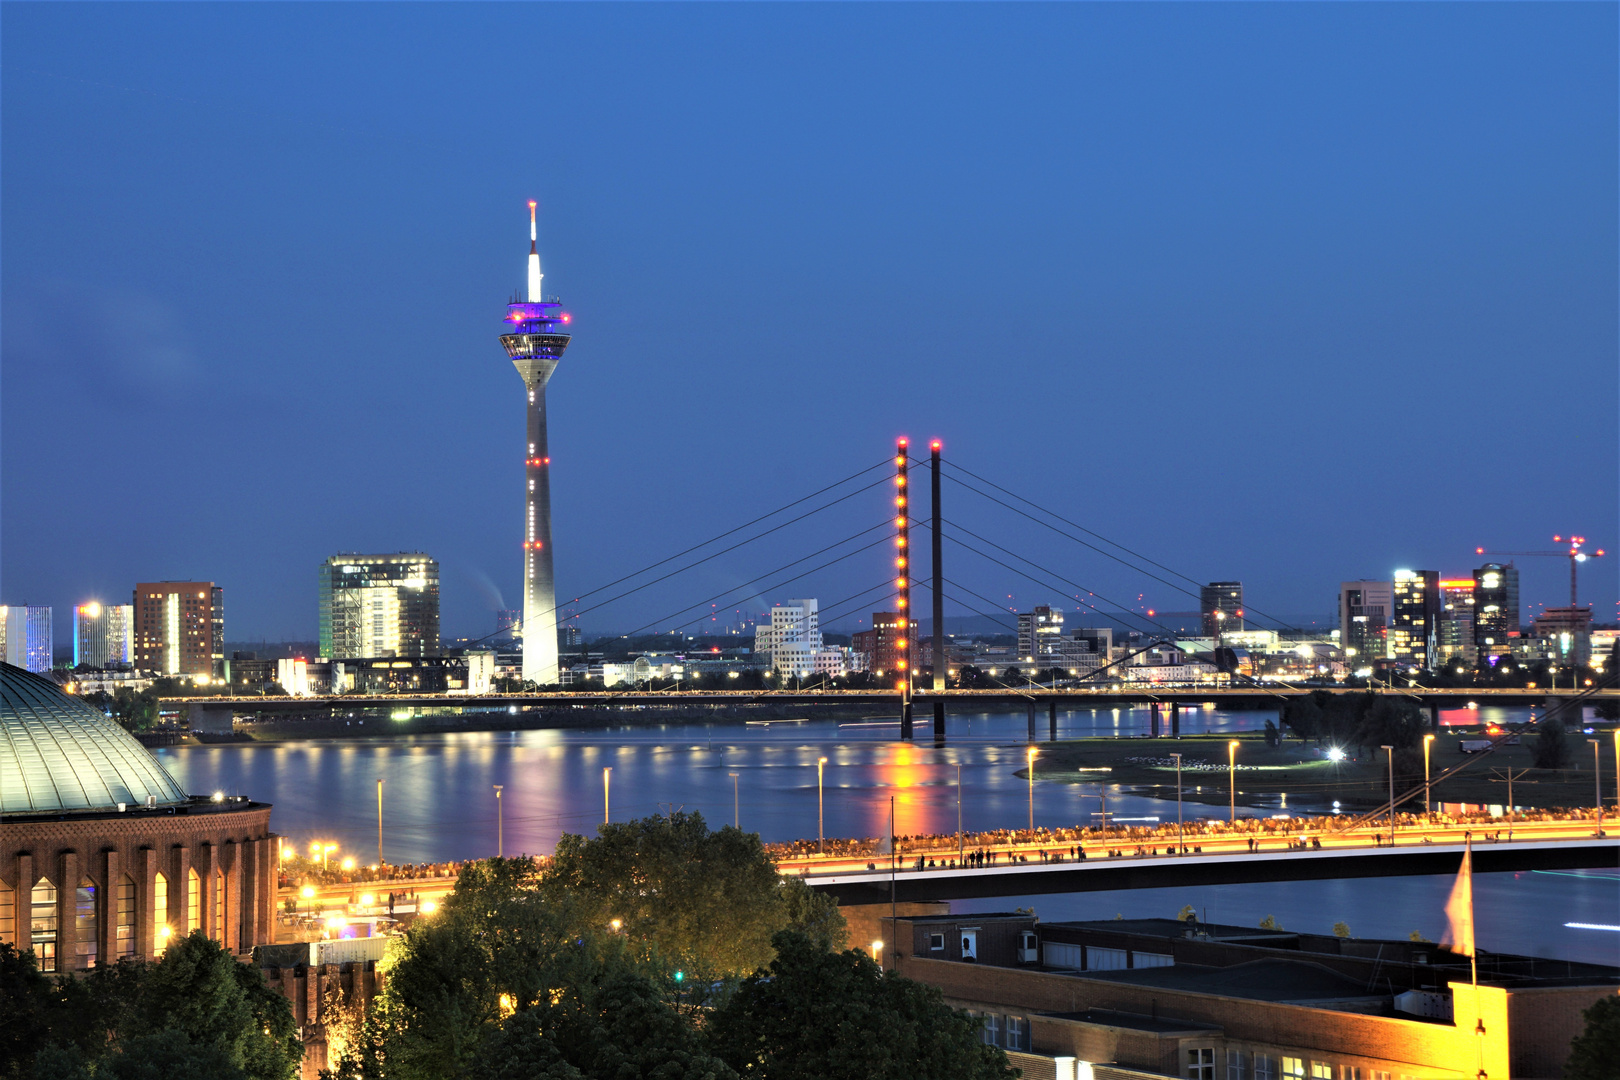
(1283, 293)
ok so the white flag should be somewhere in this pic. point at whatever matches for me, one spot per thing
(1460, 909)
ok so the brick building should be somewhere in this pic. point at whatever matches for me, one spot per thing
(1160, 997)
(180, 628)
(102, 854)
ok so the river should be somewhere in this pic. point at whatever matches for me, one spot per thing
(439, 804)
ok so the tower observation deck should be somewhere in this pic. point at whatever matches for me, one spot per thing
(536, 341)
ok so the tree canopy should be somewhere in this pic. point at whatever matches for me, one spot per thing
(815, 1014)
(1594, 1051)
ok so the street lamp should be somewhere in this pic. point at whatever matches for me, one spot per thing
(1390, 750)
(500, 826)
(736, 807)
(1180, 846)
(1231, 776)
(821, 841)
(1427, 791)
(1597, 783)
(607, 774)
(1030, 757)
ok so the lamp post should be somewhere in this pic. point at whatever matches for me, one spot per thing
(1180, 846)
(1030, 757)
(1428, 809)
(1390, 751)
(1231, 777)
(500, 826)
(607, 775)
(736, 807)
(379, 825)
(1597, 783)
(821, 839)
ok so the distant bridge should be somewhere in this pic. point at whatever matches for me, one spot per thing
(215, 713)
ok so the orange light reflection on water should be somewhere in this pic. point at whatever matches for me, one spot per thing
(907, 776)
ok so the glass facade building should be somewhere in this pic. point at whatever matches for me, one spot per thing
(1496, 609)
(1225, 597)
(1364, 609)
(379, 605)
(1414, 641)
(103, 635)
(1456, 636)
(26, 636)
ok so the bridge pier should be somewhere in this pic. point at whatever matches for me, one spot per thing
(1031, 706)
(939, 723)
(905, 720)
(1153, 710)
(1175, 719)
(1051, 721)
(1434, 718)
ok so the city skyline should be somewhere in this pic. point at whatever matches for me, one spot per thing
(1176, 357)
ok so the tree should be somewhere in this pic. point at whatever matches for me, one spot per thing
(1593, 1052)
(25, 1002)
(1270, 923)
(1551, 748)
(817, 1014)
(813, 914)
(1341, 929)
(1304, 717)
(1187, 914)
(709, 901)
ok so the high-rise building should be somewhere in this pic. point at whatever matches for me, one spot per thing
(1456, 634)
(180, 628)
(27, 641)
(536, 343)
(1496, 610)
(1038, 633)
(883, 646)
(379, 605)
(1568, 632)
(1414, 638)
(103, 635)
(1364, 608)
(793, 637)
(1221, 603)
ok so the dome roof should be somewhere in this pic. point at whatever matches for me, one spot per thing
(58, 753)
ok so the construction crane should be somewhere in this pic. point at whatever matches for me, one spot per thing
(1573, 553)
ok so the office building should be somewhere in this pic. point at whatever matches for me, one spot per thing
(1568, 632)
(1496, 610)
(884, 646)
(180, 628)
(536, 342)
(1414, 642)
(792, 640)
(1038, 633)
(1044, 645)
(1221, 604)
(1153, 997)
(379, 606)
(1364, 608)
(103, 635)
(1456, 631)
(27, 641)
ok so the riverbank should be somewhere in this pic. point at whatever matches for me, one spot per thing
(1299, 775)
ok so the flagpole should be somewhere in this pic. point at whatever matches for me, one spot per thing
(1473, 954)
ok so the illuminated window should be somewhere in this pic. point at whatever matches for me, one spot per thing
(1321, 1070)
(1200, 1063)
(194, 902)
(124, 920)
(218, 928)
(84, 923)
(160, 914)
(42, 924)
(1293, 1066)
(8, 912)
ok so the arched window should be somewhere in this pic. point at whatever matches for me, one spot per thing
(8, 913)
(218, 928)
(42, 924)
(84, 923)
(124, 923)
(193, 900)
(161, 930)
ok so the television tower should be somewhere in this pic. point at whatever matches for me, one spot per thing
(536, 342)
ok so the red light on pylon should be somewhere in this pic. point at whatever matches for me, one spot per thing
(902, 442)
(1479, 551)
(935, 445)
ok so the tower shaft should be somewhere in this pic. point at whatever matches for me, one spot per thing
(539, 582)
